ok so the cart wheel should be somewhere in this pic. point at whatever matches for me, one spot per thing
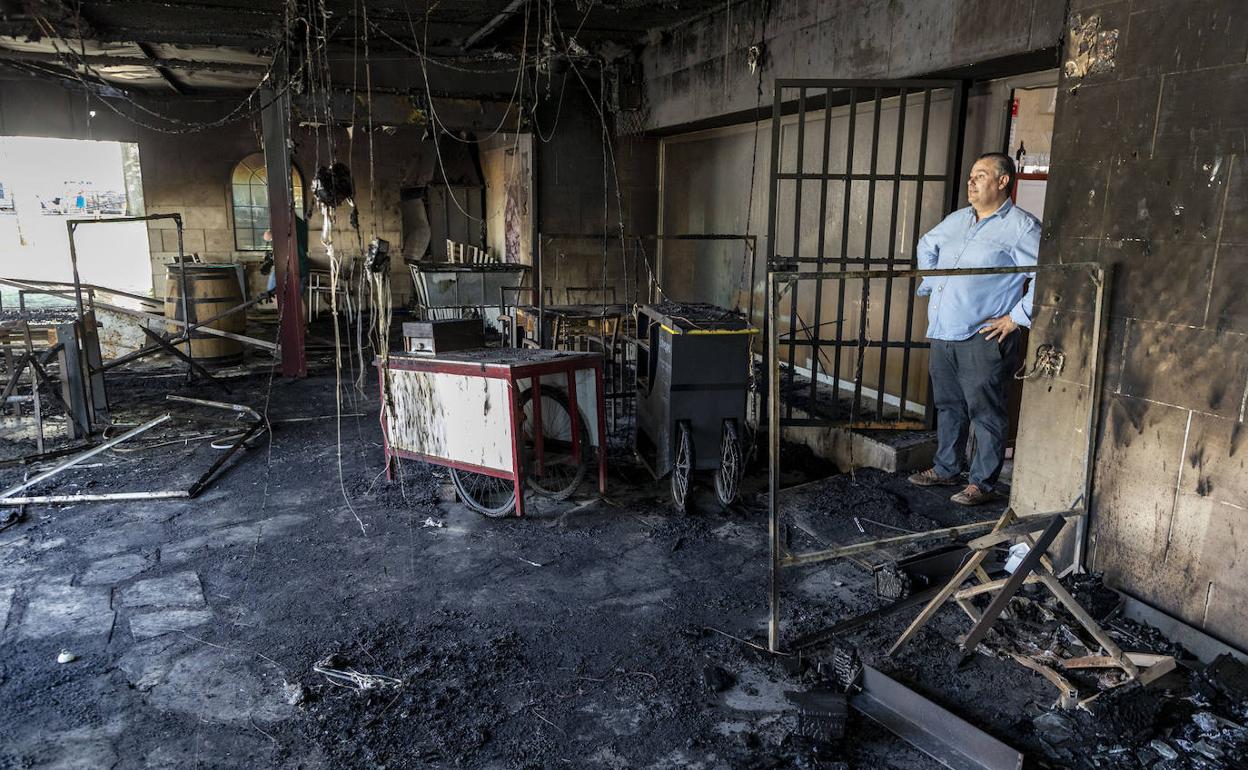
(560, 473)
(484, 494)
(728, 475)
(682, 467)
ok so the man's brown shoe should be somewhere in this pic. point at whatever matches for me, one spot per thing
(930, 478)
(972, 495)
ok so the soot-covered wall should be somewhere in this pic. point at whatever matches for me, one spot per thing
(1150, 175)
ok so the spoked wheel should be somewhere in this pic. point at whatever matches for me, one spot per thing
(493, 497)
(731, 462)
(682, 467)
(561, 470)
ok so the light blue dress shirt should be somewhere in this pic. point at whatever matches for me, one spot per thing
(960, 305)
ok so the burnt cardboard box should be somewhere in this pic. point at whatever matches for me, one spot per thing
(443, 336)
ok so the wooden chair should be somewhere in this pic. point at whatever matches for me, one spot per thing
(1035, 568)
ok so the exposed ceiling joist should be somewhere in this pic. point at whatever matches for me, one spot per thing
(511, 10)
(103, 60)
(160, 68)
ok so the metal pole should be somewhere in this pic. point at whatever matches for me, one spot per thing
(846, 208)
(1101, 277)
(541, 295)
(108, 496)
(773, 464)
(70, 226)
(186, 308)
(203, 480)
(242, 408)
(914, 258)
(821, 245)
(34, 383)
(84, 456)
(275, 125)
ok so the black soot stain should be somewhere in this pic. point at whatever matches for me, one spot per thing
(1204, 486)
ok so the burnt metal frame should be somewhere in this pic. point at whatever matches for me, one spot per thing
(512, 374)
(859, 92)
(781, 282)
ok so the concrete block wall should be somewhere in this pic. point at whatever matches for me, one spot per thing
(1150, 175)
(698, 70)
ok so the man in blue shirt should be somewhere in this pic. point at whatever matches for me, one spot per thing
(973, 325)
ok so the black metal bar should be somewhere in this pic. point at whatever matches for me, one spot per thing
(865, 296)
(184, 333)
(849, 189)
(1002, 598)
(823, 229)
(891, 262)
(914, 248)
(11, 386)
(70, 226)
(771, 233)
(789, 339)
(144, 218)
(1092, 267)
(816, 422)
(655, 237)
(43, 376)
(203, 480)
(813, 177)
(193, 366)
(41, 456)
(849, 83)
(797, 220)
(773, 458)
(957, 138)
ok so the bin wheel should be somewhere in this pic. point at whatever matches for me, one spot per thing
(682, 467)
(487, 495)
(728, 475)
(560, 473)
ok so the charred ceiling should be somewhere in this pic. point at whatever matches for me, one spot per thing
(175, 48)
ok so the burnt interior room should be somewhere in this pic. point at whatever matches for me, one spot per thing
(624, 384)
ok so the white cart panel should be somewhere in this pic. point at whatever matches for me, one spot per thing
(451, 416)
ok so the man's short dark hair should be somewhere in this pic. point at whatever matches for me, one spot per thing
(1005, 164)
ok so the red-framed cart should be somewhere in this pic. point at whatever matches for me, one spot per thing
(476, 412)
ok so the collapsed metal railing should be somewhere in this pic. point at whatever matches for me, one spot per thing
(780, 283)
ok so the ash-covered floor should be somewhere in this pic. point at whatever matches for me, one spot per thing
(616, 634)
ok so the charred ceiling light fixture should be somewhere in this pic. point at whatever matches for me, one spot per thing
(332, 186)
(378, 255)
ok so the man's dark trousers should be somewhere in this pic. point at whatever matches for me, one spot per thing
(969, 384)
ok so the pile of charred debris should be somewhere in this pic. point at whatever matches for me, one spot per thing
(1175, 712)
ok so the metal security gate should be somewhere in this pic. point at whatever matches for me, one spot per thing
(870, 201)
(857, 198)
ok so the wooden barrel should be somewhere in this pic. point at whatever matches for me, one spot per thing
(210, 289)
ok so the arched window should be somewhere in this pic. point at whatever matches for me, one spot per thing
(250, 197)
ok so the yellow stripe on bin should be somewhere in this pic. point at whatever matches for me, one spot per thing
(670, 330)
